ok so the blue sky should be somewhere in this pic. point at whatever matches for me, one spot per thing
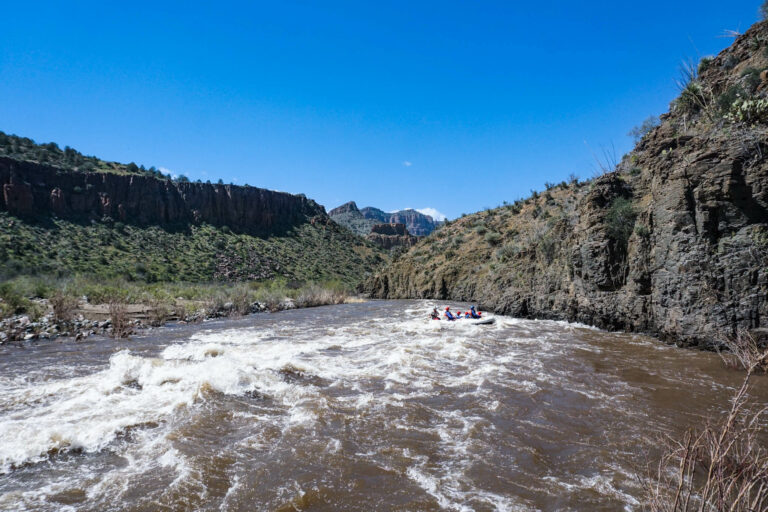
(450, 105)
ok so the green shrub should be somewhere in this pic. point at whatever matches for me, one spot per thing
(640, 131)
(691, 99)
(749, 111)
(507, 252)
(620, 220)
(728, 97)
(643, 231)
(545, 249)
(705, 63)
(493, 238)
(729, 62)
(750, 77)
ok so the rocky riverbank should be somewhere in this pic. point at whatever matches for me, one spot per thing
(50, 318)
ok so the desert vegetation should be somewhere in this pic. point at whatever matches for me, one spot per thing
(110, 250)
(32, 307)
(724, 465)
(24, 148)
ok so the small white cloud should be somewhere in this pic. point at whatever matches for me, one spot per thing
(166, 170)
(407, 163)
(432, 213)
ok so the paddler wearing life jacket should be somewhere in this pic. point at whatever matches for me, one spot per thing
(448, 315)
(474, 314)
(434, 315)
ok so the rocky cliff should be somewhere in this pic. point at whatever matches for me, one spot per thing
(417, 223)
(33, 189)
(673, 242)
(389, 236)
(361, 220)
(64, 222)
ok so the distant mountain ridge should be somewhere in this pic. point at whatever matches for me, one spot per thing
(362, 220)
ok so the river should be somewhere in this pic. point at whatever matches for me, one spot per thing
(355, 407)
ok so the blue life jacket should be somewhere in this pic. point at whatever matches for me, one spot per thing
(449, 315)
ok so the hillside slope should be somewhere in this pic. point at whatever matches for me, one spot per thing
(134, 225)
(673, 242)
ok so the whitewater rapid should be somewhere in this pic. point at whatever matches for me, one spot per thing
(320, 408)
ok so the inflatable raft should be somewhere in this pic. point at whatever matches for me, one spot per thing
(478, 321)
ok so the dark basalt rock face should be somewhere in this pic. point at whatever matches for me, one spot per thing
(31, 189)
(389, 236)
(693, 266)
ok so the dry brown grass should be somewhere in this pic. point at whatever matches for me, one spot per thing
(64, 306)
(159, 312)
(745, 353)
(118, 316)
(723, 466)
(318, 296)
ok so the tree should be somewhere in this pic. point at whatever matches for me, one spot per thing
(182, 179)
(638, 132)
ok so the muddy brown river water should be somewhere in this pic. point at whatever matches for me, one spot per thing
(355, 407)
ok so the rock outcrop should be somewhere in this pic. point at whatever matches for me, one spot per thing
(362, 220)
(673, 243)
(350, 207)
(417, 223)
(389, 236)
(33, 189)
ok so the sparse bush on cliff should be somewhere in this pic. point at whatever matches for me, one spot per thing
(704, 64)
(507, 252)
(748, 111)
(620, 220)
(694, 95)
(691, 99)
(493, 238)
(726, 99)
(638, 132)
(750, 79)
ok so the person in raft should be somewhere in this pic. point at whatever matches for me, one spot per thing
(448, 315)
(474, 314)
(434, 315)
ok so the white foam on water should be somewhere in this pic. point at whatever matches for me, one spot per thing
(374, 363)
